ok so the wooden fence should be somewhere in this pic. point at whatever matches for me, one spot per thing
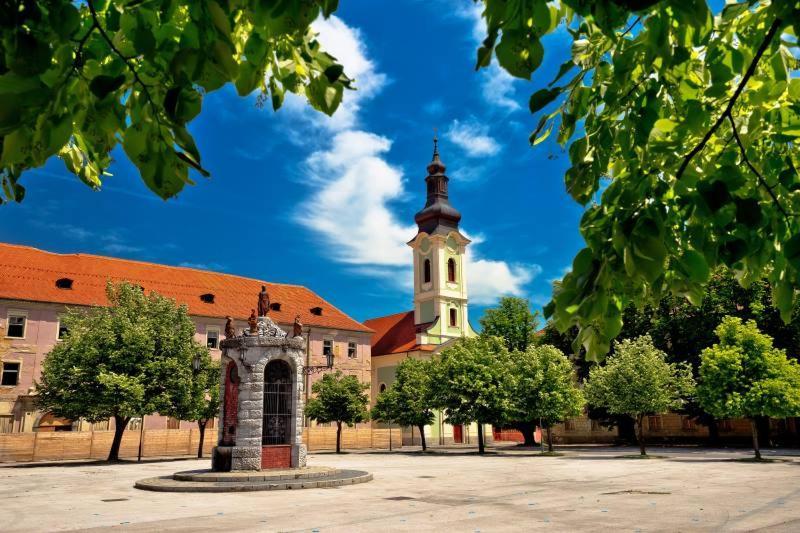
(66, 445)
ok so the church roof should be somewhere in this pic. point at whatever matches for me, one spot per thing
(438, 215)
(396, 333)
(31, 274)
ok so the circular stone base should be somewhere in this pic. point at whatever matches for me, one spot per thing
(294, 478)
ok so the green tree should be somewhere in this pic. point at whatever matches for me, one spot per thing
(132, 358)
(408, 401)
(202, 403)
(636, 380)
(472, 383)
(77, 78)
(691, 119)
(513, 322)
(341, 399)
(545, 388)
(745, 376)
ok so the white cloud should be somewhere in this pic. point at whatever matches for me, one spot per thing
(488, 279)
(497, 85)
(473, 137)
(355, 187)
(346, 44)
(350, 209)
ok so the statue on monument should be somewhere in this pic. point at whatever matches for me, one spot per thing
(297, 329)
(263, 301)
(229, 331)
(253, 322)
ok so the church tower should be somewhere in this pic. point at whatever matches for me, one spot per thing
(440, 281)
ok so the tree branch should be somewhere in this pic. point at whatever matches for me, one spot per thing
(773, 30)
(126, 60)
(633, 24)
(753, 169)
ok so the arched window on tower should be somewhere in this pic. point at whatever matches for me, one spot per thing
(426, 271)
(453, 317)
(451, 270)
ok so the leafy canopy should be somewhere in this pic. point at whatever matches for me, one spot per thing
(338, 398)
(512, 321)
(545, 386)
(408, 401)
(471, 381)
(689, 117)
(79, 78)
(203, 401)
(131, 358)
(636, 380)
(745, 376)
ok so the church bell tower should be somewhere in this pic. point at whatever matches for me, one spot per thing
(440, 282)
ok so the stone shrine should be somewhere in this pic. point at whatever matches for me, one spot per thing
(261, 410)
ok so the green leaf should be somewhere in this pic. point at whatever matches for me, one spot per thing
(102, 85)
(695, 265)
(519, 53)
(542, 97)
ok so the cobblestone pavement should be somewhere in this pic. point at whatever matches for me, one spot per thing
(586, 489)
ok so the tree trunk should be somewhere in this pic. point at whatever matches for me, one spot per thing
(202, 425)
(421, 429)
(481, 447)
(338, 437)
(640, 434)
(713, 433)
(549, 438)
(120, 422)
(764, 431)
(756, 449)
(528, 430)
(626, 429)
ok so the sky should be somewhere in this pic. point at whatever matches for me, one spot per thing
(329, 203)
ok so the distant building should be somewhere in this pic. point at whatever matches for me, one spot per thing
(440, 315)
(37, 286)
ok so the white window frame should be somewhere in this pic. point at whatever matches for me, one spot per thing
(19, 371)
(17, 313)
(355, 349)
(215, 329)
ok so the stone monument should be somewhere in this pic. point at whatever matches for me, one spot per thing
(262, 401)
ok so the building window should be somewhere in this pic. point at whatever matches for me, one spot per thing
(62, 330)
(383, 388)
(352, 353)
(654, 423)
(10, 375)
(317, 311)
(64, 283)
(212, 337)
(207, 298)
(451, 270)
(453, 317)
(16, 325)
(426, 271)
(327, 347)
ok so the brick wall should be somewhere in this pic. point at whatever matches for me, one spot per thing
(276, 456)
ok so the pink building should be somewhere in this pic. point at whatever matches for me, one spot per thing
(37, 286)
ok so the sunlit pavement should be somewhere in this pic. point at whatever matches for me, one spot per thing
(589, 489)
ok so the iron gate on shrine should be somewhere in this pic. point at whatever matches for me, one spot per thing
(278, 390)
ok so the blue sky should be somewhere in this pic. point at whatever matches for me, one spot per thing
(296, 197)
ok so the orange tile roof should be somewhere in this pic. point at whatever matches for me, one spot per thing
(395, 334)
(30, 274)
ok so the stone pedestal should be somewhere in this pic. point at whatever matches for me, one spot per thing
(244, 443)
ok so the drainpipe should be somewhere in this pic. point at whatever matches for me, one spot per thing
(307, 377)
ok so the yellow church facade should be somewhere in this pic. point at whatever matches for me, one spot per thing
(441, 312)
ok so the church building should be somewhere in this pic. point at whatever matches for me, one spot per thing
(440, 315)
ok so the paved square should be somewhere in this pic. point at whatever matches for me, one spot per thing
(586, 489)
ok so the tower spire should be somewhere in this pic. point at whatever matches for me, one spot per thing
(438, 216)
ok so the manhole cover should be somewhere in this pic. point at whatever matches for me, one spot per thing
(399, 498)
(115, 500)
